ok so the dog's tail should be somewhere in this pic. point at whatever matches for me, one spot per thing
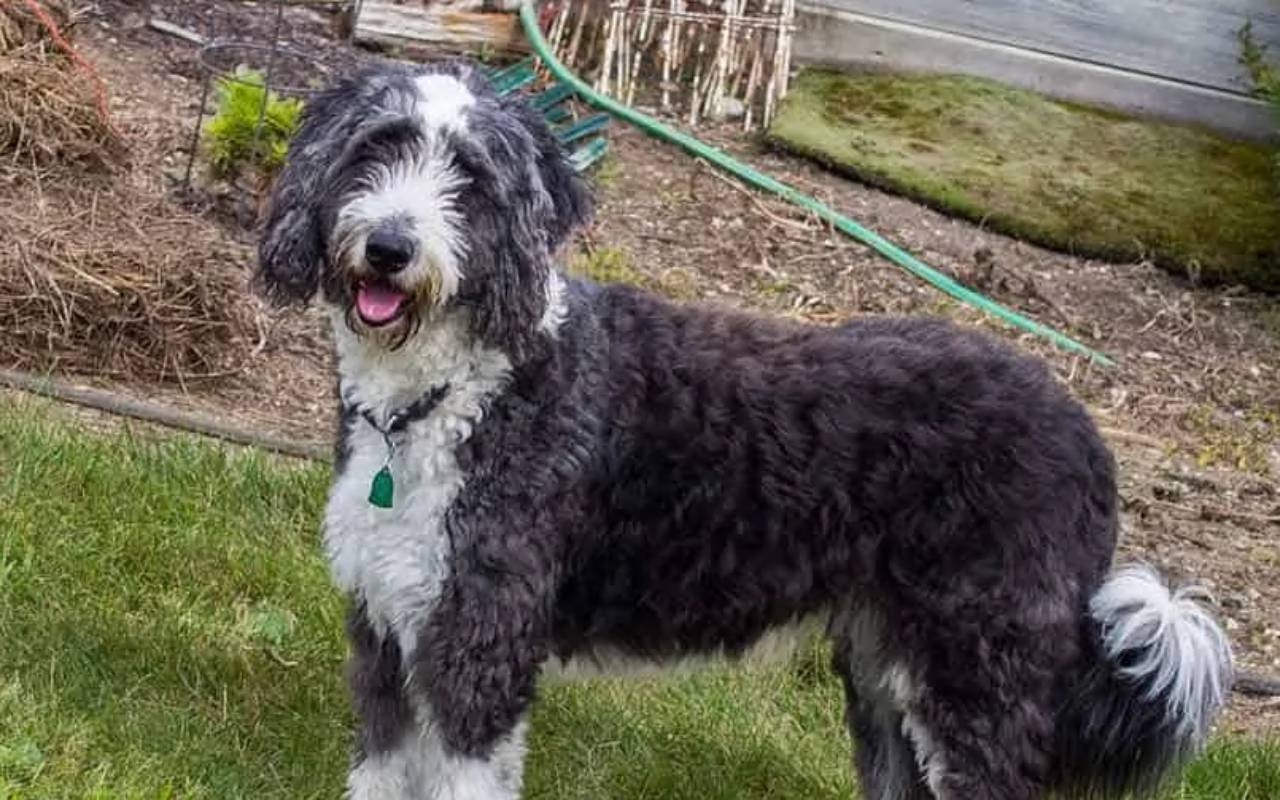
(1160, 670)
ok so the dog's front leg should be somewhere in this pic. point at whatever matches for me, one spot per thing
(383, 766)
(401, 751)
(476, 665)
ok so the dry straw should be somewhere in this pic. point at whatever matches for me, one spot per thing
(47, 115)
(112, 282)
(21, 26)
(50, 113)
(100, 273)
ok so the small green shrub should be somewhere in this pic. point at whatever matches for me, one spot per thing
(236, 143)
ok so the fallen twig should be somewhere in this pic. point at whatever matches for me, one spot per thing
(1217, 513)
(1132, 437)
(164, 26)
(755, 200)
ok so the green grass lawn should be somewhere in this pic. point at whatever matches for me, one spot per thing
(167, 631)
(1060, 174)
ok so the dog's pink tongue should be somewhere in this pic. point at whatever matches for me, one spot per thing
(378, 303)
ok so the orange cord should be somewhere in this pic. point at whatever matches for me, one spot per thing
(100, 86)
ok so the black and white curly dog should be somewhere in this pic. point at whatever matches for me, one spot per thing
(536, 474)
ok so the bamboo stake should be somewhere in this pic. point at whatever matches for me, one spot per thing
(711, 100)
(597, 33)
(619, 36)
(556, 23)
(713, 97)
(668, 38)
(676, 24)
(753, 78)
(606, 61)
(575, 41)
(641, 37)
(731, 81)
(556, 31)
(787, 26)
(712, 91)
(677, 44)
(771, 90)
(622, 57)
(694, 97)
(737, 67)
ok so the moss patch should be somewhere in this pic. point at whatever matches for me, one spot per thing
(613, 265)
(1063, 175)
(606, 265)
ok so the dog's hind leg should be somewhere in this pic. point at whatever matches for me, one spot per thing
(969, 736)
(982, 728)
(885, 760)
(977, 749)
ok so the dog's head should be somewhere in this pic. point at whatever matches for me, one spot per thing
(411, 191)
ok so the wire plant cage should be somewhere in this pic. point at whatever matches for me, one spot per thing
(270, 71)
(283, 70)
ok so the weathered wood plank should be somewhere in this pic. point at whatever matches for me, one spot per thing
(438, 25)
(844, 39)
(1188, 40)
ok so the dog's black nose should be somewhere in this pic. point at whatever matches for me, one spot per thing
(388, 251)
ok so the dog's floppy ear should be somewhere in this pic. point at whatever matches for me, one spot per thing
(289, 247)
(570, 198)
(535, 202)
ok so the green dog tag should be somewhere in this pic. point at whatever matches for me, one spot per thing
(382, 489)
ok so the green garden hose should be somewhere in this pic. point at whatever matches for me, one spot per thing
(753, 177)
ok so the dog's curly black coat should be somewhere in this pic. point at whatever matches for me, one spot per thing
(653, 480)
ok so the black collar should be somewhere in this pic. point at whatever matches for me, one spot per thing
(382, 488)
(399, 420)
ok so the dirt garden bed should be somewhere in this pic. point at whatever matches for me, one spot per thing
(1193, 407)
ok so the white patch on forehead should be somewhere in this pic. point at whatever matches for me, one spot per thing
(442, 101)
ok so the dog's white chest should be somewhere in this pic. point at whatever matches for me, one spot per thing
(396, 559)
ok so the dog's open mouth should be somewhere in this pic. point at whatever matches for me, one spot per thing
(379, 303)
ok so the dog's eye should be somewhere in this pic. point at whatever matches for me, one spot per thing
(470, 161)
(383, 143)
